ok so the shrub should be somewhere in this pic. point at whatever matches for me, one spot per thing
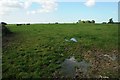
(18, 24)
(83, 21)
(5, 30)
(56, 22)
(28, 24)
(88, 21)
(3, 24)
(93, 21)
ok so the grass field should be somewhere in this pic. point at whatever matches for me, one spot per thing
(38, 50)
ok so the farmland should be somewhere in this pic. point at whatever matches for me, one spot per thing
(39, 50)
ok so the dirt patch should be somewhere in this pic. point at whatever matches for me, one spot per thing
(103, 63)
(94, 65)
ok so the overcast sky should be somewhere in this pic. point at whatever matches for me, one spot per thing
(45, 11)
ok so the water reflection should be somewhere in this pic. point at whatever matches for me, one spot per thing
(70, 66)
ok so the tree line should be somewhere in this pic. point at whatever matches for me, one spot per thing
(88, 21)
(93, 21)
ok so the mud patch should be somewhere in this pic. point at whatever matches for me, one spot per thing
(96, 64)
(103, 63)
(71, 67)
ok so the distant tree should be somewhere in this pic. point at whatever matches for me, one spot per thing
(104, 23)
(56, 22)
(111, 20)
(88, 21)
(79, 21)
(28, 24)
(93, 21)
(18, 24)
(83, 21)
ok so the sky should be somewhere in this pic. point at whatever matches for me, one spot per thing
(62, 11)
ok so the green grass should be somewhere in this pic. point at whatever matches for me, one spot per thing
(38, 50)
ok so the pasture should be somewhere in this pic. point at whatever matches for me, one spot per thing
(39, 50)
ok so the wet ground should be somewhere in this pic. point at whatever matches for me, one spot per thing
(94, 65)
(71, 66)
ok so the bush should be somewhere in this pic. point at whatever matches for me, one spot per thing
(56, 22)
(77, 22)
(18, 24)
(83, 21)
(28, 24)
(3, 23)
(93, 21)
(5, 30)
(88, 21)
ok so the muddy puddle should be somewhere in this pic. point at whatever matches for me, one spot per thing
(94, 65)
(71, 67)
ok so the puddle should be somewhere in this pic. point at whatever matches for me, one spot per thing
(69, 67)
(83, 65)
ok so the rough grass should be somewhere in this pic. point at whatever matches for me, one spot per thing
(37, 50)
